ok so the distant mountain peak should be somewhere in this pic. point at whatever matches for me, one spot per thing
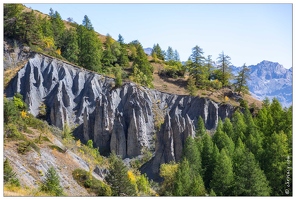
(270, 79)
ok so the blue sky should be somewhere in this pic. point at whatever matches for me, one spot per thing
(248, 33)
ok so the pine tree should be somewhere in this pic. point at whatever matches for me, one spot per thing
(30, 28)
(223, 177)
(160, 54)
(90, 49)
(200, 129)
(69, 48)
(192, 155)
(169, 54)
(197, 68)
(183, 179)
(11, 20)
(207, 159)
(250, 180)
(274, 162)
(176, 56)
(197, 187)
(222, 140)
(223, 65)
(209, 65)
(241, 80)
(228, 128)
(239, 126)
(58, 27)
(118, 178)
(87, 23)
(52, 183)
(142, 70)
(120, 40)
(191, 86)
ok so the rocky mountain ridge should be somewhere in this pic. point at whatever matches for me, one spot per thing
(270, 79)
(126, 120)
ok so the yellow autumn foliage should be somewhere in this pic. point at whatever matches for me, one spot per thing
(226, 98)
(24, 114)
(131, 177)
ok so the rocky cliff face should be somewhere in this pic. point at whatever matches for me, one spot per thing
(126, 120)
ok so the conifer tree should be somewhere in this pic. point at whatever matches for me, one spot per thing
(118, 178)
(176, 56)
(192, 155)
(223, 65)
(120, 40)
(250, 180)
(228, 128)
(222, 140)
(160, 54)
(274, 162)
(207, 159)
(169, 54)
(201, 129)
(183, 179)
(58, 27)
(69, 48)
(239, 126)
(11, 20)
(90, 49)
(223, 177)
(197, 187)
(241, 80)
(52, 183)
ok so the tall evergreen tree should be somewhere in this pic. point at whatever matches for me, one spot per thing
(223, 65)
(11, 20)
(192, 155)
(70, 49)
(176, 56)
(58, 27)
(30, 29)
(222, 140)
(207, 159)
(120, 39)
(87, 23)
(228, 128)
(239, 126)
(241, 80)
(250, 180)
(118, 178)
(160, 54)
(90, 49)
(223, 177)
(183, 179)
(200, 129)
(197, 68)
(169, 54)
(274, 162)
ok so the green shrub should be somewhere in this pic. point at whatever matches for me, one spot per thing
(9, 174)
(24, 147)
(11, 131)
(86, 180)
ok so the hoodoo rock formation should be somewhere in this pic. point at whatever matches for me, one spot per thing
(126, 119)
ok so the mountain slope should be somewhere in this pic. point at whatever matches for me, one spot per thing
(270, 79)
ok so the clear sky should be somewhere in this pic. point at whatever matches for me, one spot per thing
(248, 33)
